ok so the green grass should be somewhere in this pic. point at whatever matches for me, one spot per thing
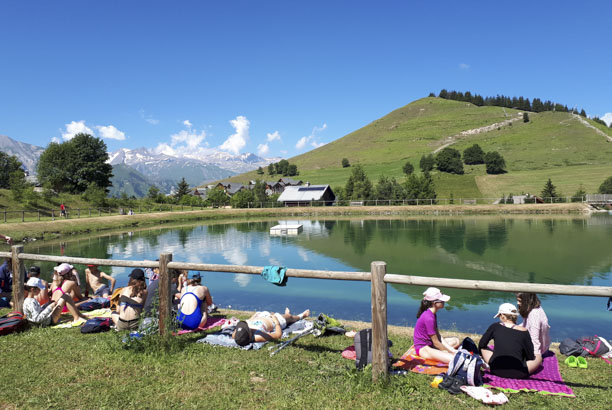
(551, 143)
(59, 368)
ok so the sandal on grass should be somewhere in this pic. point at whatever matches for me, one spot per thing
(571, 361)
(582, 363)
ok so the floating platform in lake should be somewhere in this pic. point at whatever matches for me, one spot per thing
(289, 229)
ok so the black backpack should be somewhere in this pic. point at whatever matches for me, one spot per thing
(363, 348)
(96, 325)
(11, 323)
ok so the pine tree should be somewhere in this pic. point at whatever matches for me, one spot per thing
(427, 163)
(549, 191)
(182, 189)
(525, 117)
(408, 168)
(260, 171)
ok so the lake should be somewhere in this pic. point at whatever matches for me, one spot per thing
(535, 249)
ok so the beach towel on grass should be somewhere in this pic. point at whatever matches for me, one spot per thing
(66, 322)
(212, 321)
(417, 364)
(547, 380)
(224, 337)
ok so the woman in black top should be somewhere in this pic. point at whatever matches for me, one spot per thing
(513, 347)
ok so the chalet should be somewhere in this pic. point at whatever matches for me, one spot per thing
(200, 193)
(290, 182)
(305, 195)
(274, 187)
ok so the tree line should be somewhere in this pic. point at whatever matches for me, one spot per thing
(449, 160)
(521, 103)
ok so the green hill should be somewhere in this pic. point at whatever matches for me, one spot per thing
(565, 147)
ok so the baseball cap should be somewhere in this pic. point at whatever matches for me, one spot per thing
(196, 276)
(137, 274)
(506, 309)
(35, 283)
(435, 294)
(63, 268)
(35, 270)
(242, 334)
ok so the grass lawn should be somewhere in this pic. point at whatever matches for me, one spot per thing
(59, 368)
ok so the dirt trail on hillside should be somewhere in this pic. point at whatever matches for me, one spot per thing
(586, 124)
(454, 138)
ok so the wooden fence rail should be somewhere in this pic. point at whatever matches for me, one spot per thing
(378, 277)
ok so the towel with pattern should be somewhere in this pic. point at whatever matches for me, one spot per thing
(211, 321)
(417, 364)
(547, 380)
(66, 322)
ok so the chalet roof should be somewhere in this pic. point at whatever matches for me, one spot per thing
(289, 181)
(303, 193)
(233, 188)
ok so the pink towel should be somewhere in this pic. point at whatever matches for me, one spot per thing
(547, 380)
(212, 321)
(349, 353)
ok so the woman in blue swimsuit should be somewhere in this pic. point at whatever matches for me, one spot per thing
(193, 307)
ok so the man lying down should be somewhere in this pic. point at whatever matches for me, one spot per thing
(265, 326)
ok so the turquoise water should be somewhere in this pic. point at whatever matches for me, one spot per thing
(563, 250)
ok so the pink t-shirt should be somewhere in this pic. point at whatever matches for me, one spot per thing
(426, 326)
(539, 330)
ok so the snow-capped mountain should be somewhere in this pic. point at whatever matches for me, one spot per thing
(28, 154)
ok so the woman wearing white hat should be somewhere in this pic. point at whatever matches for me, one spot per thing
(427, 340)
(513, 355)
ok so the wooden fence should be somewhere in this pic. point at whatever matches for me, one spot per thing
(378, 277)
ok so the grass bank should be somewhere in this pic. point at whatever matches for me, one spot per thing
(51, 229)
(62, 368)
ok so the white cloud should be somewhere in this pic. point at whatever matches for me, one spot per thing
(273, 136)
(311, 138)
(148, 117)
(464, 66)
(55, 139)
(607, 117)
(110, 132)
(191, 139)
(187, 124)
(76, 127)
(238, 140)
(262, 149)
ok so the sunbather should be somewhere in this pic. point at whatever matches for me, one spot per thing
(49, 313)
(512, 356)
(193, 307)
(42, 297)
(427, 340)
(265, 326)
(131, 302)
(93, 278)
(64, 283)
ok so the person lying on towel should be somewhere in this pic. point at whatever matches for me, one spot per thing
(265, 326)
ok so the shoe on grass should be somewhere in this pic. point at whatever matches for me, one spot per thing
(582, 363)
(571, 361)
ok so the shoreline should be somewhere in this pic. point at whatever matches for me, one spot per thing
(53, 229)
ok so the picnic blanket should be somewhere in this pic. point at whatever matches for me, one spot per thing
(224, 337)
(547, 380)
(212, 321)
(417, 364)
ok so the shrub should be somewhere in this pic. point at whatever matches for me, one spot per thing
(449, 160)
(495, 163)
(473, 155)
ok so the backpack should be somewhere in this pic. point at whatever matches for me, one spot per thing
(363, 348)
(594, 346)
(96, 325)
(570, 347)
(467, 363)
(11, 323)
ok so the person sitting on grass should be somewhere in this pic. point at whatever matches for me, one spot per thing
(513, 355)
(64, 284)
(265, 326)
(427, 340)
(535, 321)
(49, 313)
(131, 302)
(93, 278)
(43, 297)
(6, 283)
(193, 307)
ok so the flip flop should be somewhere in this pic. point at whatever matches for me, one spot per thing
(582, 363)
(571, 361)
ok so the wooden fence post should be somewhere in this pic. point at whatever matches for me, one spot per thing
(165, 294)
(380, 356)
(18, 278)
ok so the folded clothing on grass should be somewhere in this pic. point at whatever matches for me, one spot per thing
(547, 380)
(224, 337)
(212, 321)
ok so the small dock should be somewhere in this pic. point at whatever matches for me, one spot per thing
(286, 229)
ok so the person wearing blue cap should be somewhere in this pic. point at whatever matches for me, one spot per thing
(193, 307)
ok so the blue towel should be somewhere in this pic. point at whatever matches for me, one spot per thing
(275, 274)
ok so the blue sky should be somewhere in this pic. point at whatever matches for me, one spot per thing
(281, 77)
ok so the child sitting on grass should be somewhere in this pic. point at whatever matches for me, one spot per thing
(49, 313)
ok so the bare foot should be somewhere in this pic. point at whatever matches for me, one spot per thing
(287, 311)
(305, 313)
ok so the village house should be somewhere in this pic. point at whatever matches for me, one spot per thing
(306, 194)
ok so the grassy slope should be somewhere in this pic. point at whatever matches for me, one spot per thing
(97, 372)
(552, 145)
